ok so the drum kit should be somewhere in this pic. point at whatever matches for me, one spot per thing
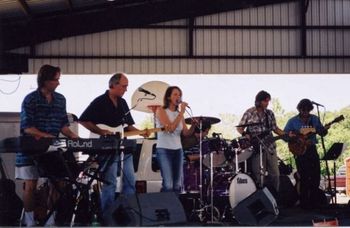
(212, 173)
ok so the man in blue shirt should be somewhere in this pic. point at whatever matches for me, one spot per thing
(43, 115)
(307, 161)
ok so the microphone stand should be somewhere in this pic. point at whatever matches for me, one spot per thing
(327, 167)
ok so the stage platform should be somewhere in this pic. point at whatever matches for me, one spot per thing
(296, 216)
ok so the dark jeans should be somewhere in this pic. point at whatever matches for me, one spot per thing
(308, 166)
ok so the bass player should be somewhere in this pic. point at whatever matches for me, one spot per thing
(305, 153)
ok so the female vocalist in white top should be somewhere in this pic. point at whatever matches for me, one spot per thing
(169, 148)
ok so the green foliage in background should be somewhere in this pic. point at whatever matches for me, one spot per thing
(339, 132)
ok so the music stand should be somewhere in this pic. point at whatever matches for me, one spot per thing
(332, 154)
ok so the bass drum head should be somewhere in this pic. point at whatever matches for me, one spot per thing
(241, 187)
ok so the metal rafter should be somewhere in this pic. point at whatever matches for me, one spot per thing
(69, 5)
(139, 14)
(25, 7)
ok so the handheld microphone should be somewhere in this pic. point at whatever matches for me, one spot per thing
(180, 101)
(142, 90)
(315, 103)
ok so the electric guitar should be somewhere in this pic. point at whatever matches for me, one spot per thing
(118, 130)
(298, 145)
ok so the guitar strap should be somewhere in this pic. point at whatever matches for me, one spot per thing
(267, 122)
(309, 122)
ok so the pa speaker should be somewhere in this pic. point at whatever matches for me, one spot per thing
(259, 209)
(146, 209)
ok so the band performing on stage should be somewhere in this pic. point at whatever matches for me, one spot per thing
(214, 178)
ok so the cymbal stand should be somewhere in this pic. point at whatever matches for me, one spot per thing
(262, 173)
(261, 158)
(211, 186)
(203, 207)
(236, 160)
(200, 164)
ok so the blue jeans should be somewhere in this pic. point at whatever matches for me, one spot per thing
(110, 175)
(171, 169)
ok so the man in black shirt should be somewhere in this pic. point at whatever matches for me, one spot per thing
(112, 110)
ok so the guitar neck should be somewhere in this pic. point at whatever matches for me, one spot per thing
(141, 132)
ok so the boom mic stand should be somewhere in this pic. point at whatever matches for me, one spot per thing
(329, 189)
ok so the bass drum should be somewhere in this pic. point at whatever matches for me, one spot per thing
(241, 187)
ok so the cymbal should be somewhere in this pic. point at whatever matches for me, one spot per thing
(207, 119)
(250, 124)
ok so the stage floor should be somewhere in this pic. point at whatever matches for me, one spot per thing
(296, 216)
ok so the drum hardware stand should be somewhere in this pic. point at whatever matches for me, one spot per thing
(211, 188)
(202, 206)
(262, 172)
(81, 187)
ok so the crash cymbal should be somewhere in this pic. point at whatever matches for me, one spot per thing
(207, 119)
(250, 124)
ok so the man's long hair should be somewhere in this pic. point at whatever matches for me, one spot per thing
(47, 73)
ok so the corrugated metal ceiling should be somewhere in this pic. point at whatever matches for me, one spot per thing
(28, 22)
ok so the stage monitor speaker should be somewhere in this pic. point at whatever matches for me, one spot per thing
(147, 209)
(259, 209)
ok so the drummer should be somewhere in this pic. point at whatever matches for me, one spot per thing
(191, 141)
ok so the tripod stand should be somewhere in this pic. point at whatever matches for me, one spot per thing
(204, 207)
(332, 155)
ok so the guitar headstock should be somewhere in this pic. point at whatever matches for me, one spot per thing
(307, 130)
(338, 119)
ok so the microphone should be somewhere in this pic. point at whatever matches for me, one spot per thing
(315, 103)
(142, 90)
(180, 101)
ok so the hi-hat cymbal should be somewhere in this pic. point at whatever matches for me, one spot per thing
(250, 124)
(207, 119)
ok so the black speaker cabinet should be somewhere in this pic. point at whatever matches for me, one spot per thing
(147, 209)
(259, 209)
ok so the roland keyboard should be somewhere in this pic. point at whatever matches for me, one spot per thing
(31, 146)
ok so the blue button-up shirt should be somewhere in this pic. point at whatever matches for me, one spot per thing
(47, 117)
(295, 124)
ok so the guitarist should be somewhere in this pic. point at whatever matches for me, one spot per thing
(257, 124)
(112, 110)
(307, 161)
